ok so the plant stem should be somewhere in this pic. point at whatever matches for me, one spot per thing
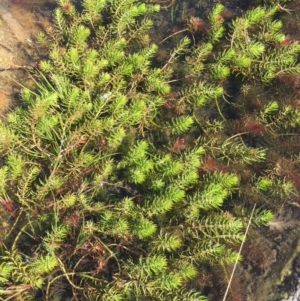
(240, 250)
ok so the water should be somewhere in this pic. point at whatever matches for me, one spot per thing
(20, 21)
(295, 297)
(30, 2)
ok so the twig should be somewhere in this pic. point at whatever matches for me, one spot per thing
(172, 35)
(240, 250)
(14, 67)
(284, 9)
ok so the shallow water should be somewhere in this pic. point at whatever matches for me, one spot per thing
(29, 2)
(20, 21)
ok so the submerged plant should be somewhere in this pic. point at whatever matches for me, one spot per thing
(114, 185)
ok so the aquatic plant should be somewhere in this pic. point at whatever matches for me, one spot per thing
(118, 175)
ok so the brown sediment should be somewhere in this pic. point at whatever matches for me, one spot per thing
(29, 2)
(4, 102)
(18, 25)
(14, 26)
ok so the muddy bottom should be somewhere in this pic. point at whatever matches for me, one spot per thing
(20, 21)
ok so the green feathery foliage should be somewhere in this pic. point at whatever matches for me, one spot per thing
(117, 174)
